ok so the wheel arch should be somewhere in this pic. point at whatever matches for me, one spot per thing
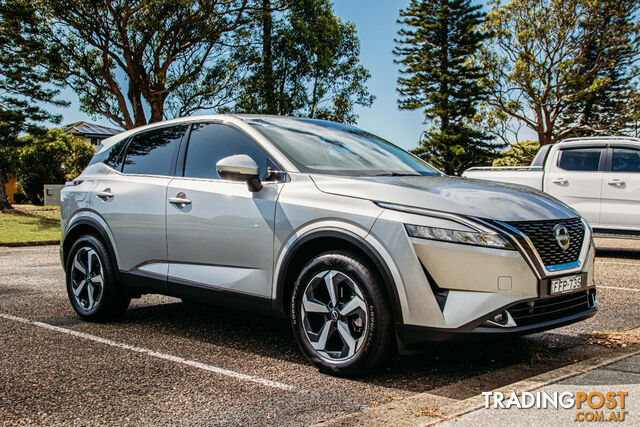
(86, 225)
(316, 242)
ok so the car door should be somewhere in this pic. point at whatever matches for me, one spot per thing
(621, 190)
(575, 177)
(132, 201)
(222, 240)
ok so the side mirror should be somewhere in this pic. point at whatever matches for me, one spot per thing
(240, 168)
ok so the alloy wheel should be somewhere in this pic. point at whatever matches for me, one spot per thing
(334, 316)
(87, 278)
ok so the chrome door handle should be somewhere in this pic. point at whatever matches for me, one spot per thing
(616, 183)
(105, 195)
(180, 200)
(560, 181)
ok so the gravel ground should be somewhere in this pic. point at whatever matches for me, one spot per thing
(56, 378)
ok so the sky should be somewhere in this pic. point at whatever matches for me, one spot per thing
(375, 22)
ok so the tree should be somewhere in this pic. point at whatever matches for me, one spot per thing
(305, 62)
(50, 158)
(438, 40)
(559, 67)
(29, 72)
(609, 102)
(141, 61)
(519, 154)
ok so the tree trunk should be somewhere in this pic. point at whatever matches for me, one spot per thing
(4, 199)
(544, 137)
(140, 118)
(267, 59)
(157, 110)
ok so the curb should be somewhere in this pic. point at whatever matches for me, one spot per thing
(536, 382)
(413, 410)
(29, 243)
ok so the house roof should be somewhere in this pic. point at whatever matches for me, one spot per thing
(89, 130)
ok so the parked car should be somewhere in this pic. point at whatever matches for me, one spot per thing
(362, 246)
(599, 177)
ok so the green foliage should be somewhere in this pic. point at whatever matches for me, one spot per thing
(141, 61)
(305, 63)
(518, 154)
(52, 158)
(561, 67)
(606, 97)
(438, 41)
(29, 73)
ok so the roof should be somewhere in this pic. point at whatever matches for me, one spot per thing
(223, 118)
(88, 130)
(125, 134)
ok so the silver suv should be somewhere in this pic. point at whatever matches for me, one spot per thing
(362, 246)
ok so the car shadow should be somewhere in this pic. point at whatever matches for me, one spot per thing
(435, 366)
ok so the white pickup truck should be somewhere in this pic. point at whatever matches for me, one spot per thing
(597, 176)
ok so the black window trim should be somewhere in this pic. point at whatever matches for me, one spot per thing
(184, 146)
(172, 171)
(602, 164)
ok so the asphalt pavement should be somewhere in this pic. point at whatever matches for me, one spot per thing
(167, 362)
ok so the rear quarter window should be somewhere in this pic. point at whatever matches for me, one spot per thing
(112, 156)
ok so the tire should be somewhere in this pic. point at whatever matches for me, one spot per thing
(92, 286)
(359, 309)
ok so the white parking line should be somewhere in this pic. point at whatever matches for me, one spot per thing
(176, 359)
(615, 287)
(618, 263)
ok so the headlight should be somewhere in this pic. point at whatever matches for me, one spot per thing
(487, 239)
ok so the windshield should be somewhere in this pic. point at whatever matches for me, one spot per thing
(317, 146)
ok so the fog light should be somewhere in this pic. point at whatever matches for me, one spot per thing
(502, 319)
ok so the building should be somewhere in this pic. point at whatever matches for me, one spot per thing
(90, 132)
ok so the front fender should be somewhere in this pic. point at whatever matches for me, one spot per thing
(351, 234)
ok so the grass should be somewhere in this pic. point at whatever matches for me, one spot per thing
(30, 224)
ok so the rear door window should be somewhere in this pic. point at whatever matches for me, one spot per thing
(154, 152)
(580, 159)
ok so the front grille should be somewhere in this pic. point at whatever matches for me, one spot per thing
(544, 310)
(542, 236)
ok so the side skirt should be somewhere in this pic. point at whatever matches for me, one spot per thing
(148, 283)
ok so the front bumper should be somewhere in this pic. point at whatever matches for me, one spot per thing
(478, 329)
(449, 291)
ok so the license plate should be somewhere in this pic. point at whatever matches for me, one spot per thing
(563, 285)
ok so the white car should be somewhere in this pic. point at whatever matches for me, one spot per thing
(597, 176)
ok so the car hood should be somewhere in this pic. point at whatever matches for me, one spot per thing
(469, 197)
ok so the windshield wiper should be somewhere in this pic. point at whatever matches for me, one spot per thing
(396, 174)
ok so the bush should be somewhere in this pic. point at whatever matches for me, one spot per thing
(518, 154)
(51, 158)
